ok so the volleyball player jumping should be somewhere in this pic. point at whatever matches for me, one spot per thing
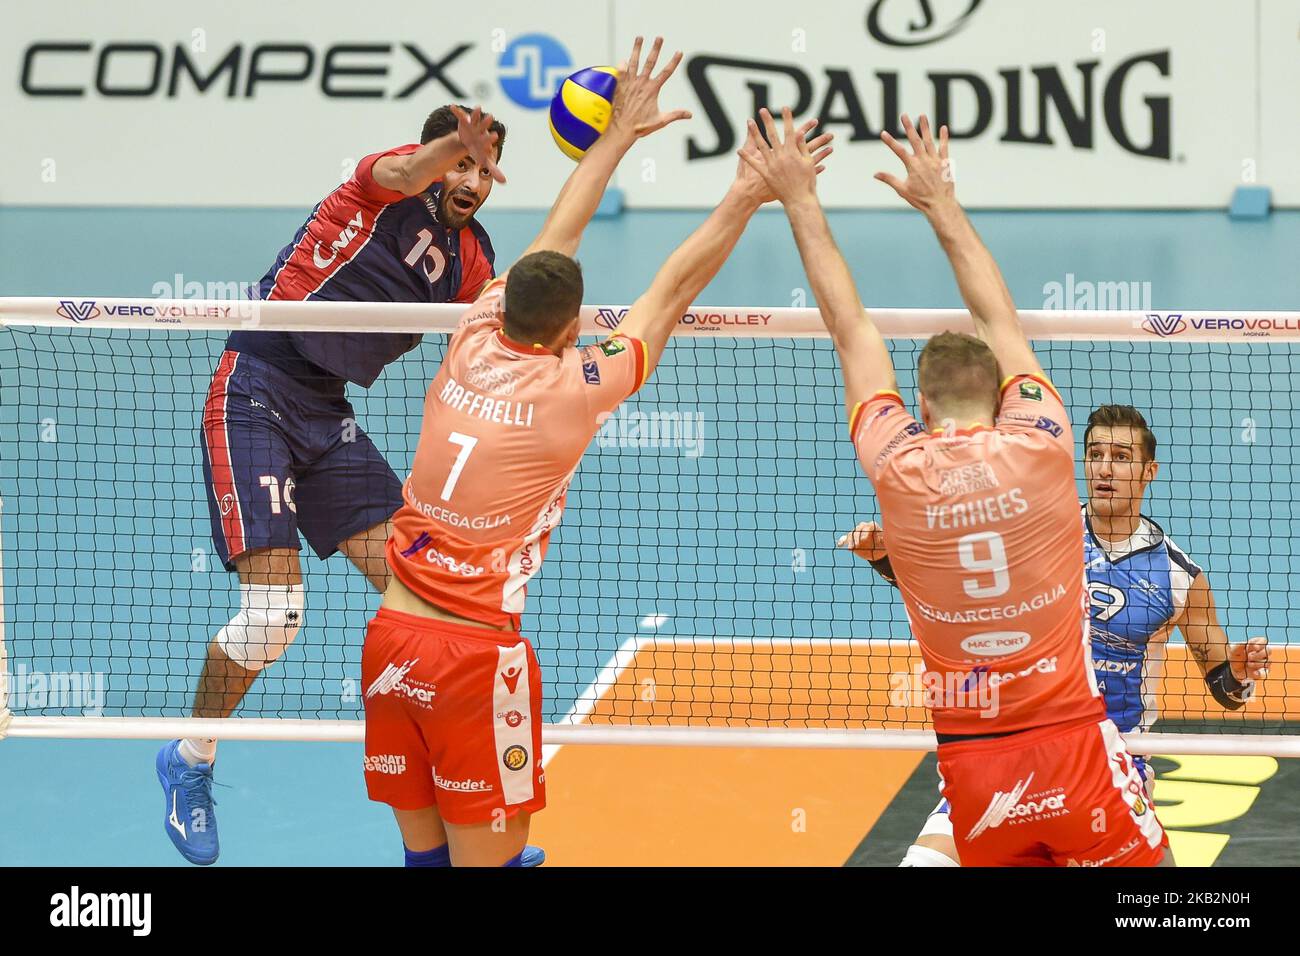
(283, 454)
(453, 694)
(985, 542)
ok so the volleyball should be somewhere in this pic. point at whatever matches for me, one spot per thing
(581, 108)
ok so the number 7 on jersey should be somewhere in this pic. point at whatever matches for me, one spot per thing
(466, 443)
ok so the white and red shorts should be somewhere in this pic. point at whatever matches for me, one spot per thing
(1064, 795)
(453, 718)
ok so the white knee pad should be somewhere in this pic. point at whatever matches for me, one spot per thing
(938, 823)
(268, 621)
(924, 856)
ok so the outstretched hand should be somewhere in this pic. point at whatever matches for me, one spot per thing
(787, 168)
(474, 130)
(929, 182)
(636, 98)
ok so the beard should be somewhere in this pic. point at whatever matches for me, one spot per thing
(452, 217)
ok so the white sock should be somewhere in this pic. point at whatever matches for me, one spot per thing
(925, 856)
(197, 750)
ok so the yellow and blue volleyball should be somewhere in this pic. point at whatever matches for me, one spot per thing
(581, 108)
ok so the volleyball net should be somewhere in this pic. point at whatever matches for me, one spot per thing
(693, 594)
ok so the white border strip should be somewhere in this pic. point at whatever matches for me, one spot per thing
(726, 321)
(4, 667)
(353, 731)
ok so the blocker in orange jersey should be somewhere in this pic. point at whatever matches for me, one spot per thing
(987, 542)
(505, 425)
(1066, 795)
(453, 718)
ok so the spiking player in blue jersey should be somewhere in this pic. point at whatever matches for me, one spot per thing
(1142, 586)
(283, 454)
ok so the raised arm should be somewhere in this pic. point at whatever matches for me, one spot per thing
(635, 114)
(790, 171)
(929, 188)
(654, 316)
(1229, 669)
(415, 172)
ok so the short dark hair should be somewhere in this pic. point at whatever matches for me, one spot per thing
(443, 121)
(956, 368)
(543, 294)
(1111, 416)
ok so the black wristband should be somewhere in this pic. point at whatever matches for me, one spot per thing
(1226, 689)
(885, 569)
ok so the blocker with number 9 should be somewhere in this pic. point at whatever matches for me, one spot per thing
(581, 109)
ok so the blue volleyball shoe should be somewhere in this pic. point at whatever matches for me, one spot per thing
(189, 818)
(532, 856)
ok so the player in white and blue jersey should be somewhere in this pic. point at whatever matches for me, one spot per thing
(1141, 587)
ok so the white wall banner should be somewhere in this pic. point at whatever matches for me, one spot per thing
(250, 103)
(1278, 149)
(1051, 103)
(1106, 103)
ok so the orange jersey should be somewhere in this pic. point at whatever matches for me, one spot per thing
(504, 427)
(985, 539)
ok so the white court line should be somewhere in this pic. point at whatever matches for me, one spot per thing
(587, 700)
(626, 653)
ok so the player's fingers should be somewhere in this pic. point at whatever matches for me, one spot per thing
(662, 120)
(943, 141)
(821, 154)
(669, 70)
(787, 126)
(893, 182)
(634, 61)
(648, 67)
(754, 139)
(818, 142)
(888, 139)
(926, 138)
(754, 161)
(912, 137)
(769, 127)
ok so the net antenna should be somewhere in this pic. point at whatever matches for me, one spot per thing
(154, 357)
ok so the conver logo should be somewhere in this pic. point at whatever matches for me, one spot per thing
(1009, 808)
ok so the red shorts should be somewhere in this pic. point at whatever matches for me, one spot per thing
(453, 718)
(1065, 795)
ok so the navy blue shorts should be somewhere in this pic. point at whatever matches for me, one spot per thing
(280, 459)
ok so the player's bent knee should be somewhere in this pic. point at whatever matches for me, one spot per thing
(268, 620)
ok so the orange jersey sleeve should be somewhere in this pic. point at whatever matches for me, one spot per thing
(985, 538)
(613, 370)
